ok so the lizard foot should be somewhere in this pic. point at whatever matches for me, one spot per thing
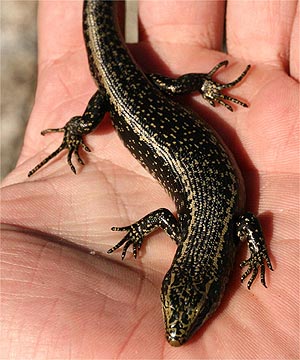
(73, 132)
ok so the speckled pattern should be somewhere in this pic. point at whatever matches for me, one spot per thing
(186, 157)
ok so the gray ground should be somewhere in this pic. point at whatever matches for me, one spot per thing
(18, 75)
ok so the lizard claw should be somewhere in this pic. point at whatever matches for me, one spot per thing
(211, 90)
(72, 141)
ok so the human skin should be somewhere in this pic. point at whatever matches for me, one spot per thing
(59, 301)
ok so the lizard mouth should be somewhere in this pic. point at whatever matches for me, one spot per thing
(175, 336)
(173, 341)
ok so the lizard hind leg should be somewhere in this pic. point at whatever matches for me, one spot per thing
(211, 90)
(71, 141)
(75, 129)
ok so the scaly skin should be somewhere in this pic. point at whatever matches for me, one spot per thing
(189, 160)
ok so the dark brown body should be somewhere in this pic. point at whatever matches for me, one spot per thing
(188, 159)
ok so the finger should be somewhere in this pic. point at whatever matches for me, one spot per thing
(63, 81)
(191, 22)
(294, 49)
(60, 28)
(259, 31)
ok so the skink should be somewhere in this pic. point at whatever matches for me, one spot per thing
(188, 159)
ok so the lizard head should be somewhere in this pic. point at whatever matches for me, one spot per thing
(187, 302)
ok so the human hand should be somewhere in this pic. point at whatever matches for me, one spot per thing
(62, 302)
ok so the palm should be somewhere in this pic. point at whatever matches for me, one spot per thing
(100, 307)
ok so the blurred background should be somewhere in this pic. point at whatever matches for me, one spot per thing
(19, 71)
(18, 75)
